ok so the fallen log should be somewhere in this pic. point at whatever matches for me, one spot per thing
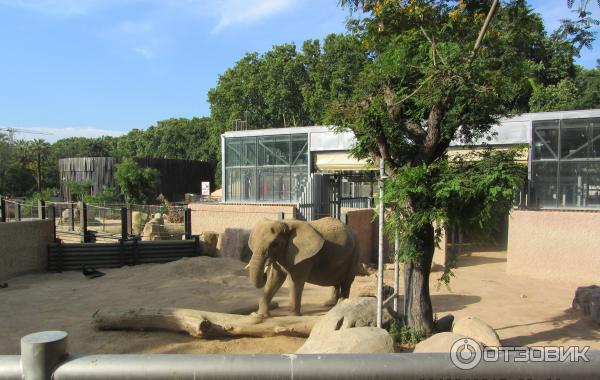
(201, 324)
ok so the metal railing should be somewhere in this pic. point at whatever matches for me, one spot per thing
(45, 356)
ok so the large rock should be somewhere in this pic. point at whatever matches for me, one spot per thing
(353, 340)
(154, 229)
(441, 342)
(587, 301)
(349, 313)
(211, 240)
(138, 221)
(234, 244)
(66, 215)
(477, 329)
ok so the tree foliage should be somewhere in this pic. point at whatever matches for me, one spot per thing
(439, 71)
(136, 183)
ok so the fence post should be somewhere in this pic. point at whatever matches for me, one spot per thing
(187, 223)
(280, 216)
(72, 211)
(41, 209)
(52, 214)
(83, 222)
(41, 353)
(2, 210)
(124, 223)
(129, 220)
(18, 211)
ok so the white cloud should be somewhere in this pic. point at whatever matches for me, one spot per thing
(231, 12)
(53, 134)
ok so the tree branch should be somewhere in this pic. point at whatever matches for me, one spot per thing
(433, 46)
(483, 30)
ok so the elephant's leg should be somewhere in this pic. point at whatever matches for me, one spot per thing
(335, 294)
(297, 287)
(345, 287)
(275, 279)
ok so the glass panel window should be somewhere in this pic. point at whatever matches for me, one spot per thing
(545, 140)
(299, 182)
(299, 150)
(248, 182)
(274, 150)
(573, 182)
(281, 184)
(544, 184)
(248, 151)
(232, 152)
(595, 136)
(265, 184)
(574, 139)
(593, 185)
(233, 190)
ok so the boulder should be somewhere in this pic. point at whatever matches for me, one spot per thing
(153, 230)
(476, 329)
(66, 215)
(352, 340)
(441, 342)
(583, 298)
(210, 239)
(444, 324)
(234, 244)
(138, 221)
(350, 313)
(595, 308)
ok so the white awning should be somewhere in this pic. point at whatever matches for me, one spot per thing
(340, 161)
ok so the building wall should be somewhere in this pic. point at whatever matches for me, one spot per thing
(24, 247)
(562, 245)
(218, 216)
(361, 222)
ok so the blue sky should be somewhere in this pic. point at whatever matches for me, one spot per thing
(93, 67)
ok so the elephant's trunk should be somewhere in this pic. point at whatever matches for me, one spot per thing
(257, 270)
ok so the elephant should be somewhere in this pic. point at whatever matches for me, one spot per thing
(322, 252)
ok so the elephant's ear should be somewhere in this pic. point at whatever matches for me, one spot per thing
(304, 243)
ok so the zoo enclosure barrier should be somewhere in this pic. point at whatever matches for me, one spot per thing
(44, 356)
(88, 222)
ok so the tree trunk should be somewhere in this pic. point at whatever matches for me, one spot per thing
(203, 324)
(418, 309)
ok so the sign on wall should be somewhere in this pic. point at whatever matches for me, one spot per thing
(205, 188)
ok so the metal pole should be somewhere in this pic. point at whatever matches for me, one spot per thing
(2, 210)
(124, 224)
(41, 209)
(396, 270)
(41, 353)
(18, 211)
(72, 211)
(83, 222)
(187, 223)
(380, 251)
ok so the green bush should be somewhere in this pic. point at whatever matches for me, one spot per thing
(138, 184)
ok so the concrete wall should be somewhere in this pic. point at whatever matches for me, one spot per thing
(24, 247)
(563, 245)
(218, 216)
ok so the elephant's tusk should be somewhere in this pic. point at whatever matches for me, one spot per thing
(247, 266)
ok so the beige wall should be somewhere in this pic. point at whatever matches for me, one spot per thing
(24, 247)
(562, 245)
(218, 216)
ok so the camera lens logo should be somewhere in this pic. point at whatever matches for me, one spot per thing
(465, 353)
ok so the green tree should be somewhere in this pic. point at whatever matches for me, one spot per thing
(136, 183)
(440, 70)
(562, 96)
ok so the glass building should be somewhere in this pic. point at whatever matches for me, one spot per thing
(269, 168)
(565, 163)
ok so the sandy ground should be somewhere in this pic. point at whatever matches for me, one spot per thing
(523, 311)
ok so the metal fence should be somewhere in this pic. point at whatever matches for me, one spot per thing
(44, 356)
